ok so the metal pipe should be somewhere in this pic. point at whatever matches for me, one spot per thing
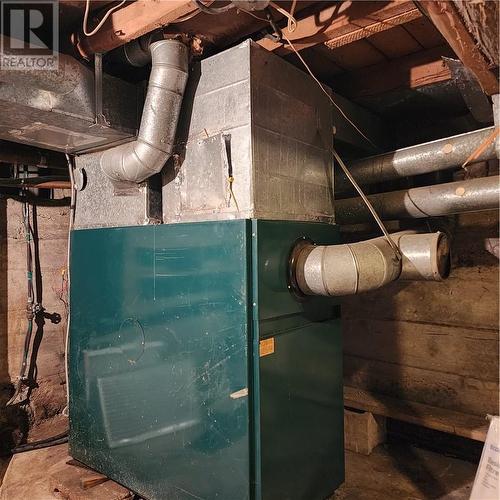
(47, 182)
(136, 161)
(425, 256)
(415, 160)
(430, 201)
(349, 269)
(337, 270)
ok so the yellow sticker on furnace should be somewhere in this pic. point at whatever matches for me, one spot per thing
(266, 347)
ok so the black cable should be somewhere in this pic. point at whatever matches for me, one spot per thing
(277, 36)
(213, 10)
(43, 443)
(36, 200)
(31, 304)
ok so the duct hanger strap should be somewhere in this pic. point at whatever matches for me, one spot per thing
(99, 119)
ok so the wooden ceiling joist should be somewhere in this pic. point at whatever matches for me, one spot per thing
(447, 20)
(132, 21)
(345, 23)
(410, 72)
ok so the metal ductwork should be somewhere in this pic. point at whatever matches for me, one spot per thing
(429, 201)
(349, 269)
(55, 109)
(138, 160)
(421, 159)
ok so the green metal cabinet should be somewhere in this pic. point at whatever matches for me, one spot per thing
(194, 372)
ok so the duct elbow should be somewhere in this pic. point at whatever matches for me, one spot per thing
(136, 161)
(349, 269)
(133, 162)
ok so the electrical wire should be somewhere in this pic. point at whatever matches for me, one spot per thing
(72, 210)
(213, 10)
(101, 22)
(341, 111)
(31, 306)
(348, 174)
(366, 201)
(43, 443)
(292, 22)
(481, 148)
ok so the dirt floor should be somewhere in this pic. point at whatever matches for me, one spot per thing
(389, 473)
(403, 472)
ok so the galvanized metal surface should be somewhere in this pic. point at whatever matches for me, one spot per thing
(425, 256)
(146, 156)
(280, 128)
(56, 109)
(423, 158)
(168, 393)
(430, 201)
(98, 206)
(340, 270)
(474, 97)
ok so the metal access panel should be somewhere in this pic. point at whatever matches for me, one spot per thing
(194, 372)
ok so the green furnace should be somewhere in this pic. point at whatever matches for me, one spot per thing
(196, 371)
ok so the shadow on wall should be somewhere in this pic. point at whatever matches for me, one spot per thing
(434, 343)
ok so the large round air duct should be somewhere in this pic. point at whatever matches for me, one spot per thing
(136, 161)
(338, 270)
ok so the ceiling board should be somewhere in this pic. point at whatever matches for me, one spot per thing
(395, 43)
(425, 32)
(356, 55)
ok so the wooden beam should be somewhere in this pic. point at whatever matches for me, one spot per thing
(130, 22)
(413, 71)
(448, 21)
(344, 23)
(373, 28)
(452, 422)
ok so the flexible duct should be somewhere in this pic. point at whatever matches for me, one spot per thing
(136, 161)
(420, 159)
(349, 269)
(429, 201)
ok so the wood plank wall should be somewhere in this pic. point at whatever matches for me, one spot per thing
(48, 396)
(433, 343)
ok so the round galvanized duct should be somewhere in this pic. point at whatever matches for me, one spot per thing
(425, 256)
(424, 158)
(429, 201)
(338, 270)
(138, 160)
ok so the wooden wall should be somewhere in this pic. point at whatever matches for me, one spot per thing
(48, 394)
(425, 342)
(428, 342)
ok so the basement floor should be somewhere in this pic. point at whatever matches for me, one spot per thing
(391, 472)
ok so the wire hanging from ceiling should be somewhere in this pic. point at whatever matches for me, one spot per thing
(101, 22)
